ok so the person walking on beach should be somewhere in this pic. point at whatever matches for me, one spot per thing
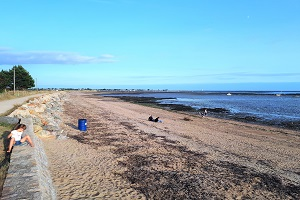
(16, 137)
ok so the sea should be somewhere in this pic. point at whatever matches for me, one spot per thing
(280, 108)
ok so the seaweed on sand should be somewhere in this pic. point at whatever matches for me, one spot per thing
(157, 177)
(155, 102)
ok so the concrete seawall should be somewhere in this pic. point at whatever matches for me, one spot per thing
(28, 176)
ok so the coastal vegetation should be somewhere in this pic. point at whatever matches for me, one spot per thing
(16, 78)
(4, 159)
(17, 94)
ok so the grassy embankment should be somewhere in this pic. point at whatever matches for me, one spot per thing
(4, 157)
(22, 93)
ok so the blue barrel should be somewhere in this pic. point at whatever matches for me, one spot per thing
(82, 124)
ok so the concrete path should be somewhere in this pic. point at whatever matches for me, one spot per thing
(9, 104)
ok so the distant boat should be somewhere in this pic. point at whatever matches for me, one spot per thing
(278, 95)
(228, 94)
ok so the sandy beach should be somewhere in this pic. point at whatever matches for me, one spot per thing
(122, 155)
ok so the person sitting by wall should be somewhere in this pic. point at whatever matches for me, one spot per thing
(16, 137)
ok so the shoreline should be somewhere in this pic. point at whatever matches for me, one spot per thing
(122, 155)
(219, 113)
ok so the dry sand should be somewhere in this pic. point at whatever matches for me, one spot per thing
(124, 156)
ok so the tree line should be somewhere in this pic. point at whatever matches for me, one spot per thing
(23, 79)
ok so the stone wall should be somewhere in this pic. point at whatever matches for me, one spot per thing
(28, 176)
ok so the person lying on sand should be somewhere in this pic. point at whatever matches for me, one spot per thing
(150, 118)
(154, 120)
(16, 137)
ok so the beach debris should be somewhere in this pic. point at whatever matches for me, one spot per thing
(187, 119)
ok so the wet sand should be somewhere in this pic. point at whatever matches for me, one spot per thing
(124, 156)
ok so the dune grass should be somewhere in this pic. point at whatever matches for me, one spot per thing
(19, 93)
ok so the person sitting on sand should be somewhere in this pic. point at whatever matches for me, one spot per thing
(16, 137)
(150, 118)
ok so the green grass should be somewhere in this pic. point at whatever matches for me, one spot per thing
(4, 158)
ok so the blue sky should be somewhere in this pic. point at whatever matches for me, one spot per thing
(154, 44)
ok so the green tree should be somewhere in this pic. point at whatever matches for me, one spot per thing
(4, 80)
(23, 79)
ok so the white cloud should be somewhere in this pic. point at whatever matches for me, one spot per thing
(44, 57)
